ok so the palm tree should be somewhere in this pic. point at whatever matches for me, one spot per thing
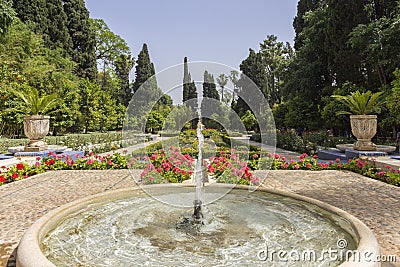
(34, 104)
(359, 103)
(234, 77)
(222, 80)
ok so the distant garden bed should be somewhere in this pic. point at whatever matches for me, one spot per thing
(165, 163)
(95, 142)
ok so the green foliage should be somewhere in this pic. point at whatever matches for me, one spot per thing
(393, 99)
(34, 104)
(359, 103)
(83, 38)
(189, 88)
(276, 57)
(249, 120)
(57, 28)
(222, 80)
(144, 70)
(7, 16)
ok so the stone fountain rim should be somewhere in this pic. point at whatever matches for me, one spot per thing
(29, 253)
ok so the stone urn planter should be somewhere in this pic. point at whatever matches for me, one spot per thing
(36, 127)
(364, 128)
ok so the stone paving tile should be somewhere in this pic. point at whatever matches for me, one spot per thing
(375, 203)
(23, 202)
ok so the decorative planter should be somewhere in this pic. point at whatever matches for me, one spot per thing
(36, 127)
(364, 128)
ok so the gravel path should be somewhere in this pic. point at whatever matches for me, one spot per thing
(375, 203)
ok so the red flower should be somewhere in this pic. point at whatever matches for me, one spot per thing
(20, 166)
(50, 162)
(14, 175)
(2, 179)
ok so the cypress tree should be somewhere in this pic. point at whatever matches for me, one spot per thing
(57, 28)
(34, 13)
(83, 38)
(47, 18)
(209, 87)
(303, 6)
(189, 88)
(144, 69)
(186, 81)
(123, 66)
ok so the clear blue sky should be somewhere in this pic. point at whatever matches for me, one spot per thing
(203, 30)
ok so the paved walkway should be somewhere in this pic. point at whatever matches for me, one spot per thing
(375, 203)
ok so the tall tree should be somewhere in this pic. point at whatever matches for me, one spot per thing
(189, 88)
(222, 80)
(276, 57)
(48, 18)
(34, 13)
(83, 38)
(7, 16)
(109, 46)
(253, 72)
(144, 69)
(303, 6)
(123, 66)
(209, 87)
(234, 78)
(57, 29)
(345, 62)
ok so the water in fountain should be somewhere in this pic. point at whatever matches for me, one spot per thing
(199, 198)
(140, 230)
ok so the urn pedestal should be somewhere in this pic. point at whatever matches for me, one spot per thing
(36, 127)
(364, 128)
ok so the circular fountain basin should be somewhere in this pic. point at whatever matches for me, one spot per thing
(132, 227)
(379, 148)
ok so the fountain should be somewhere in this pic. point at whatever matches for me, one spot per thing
(155, 227)
(198, 215)
(128, 226)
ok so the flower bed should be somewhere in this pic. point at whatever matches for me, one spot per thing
(96, 142)
(174, 167)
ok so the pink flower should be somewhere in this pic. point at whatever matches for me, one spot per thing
(38, 158)
(255, 156)
(315, 156)
(159, 169)
(277, 156)
(37, 164)
(339, 165)
(337, 160)
(309, 166)
(302, 156)
(89, 161)
(388, 167)
(285, 165)
(296, 167)
(381, 174)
